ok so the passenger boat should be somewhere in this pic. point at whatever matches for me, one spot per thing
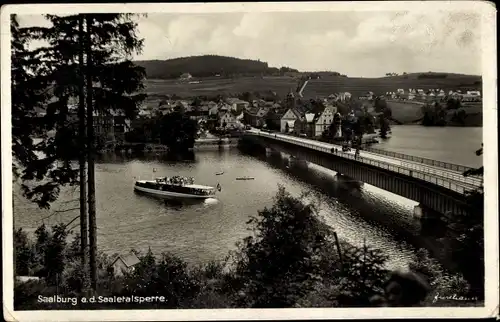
(245, 178)
(176, 187)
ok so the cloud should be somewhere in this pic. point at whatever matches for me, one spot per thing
(355, 43)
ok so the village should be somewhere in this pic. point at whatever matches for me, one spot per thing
(293, 114)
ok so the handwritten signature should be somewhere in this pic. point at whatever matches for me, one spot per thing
(453, 297)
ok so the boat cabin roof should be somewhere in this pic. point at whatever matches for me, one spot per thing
(198, 186)
(194, 186)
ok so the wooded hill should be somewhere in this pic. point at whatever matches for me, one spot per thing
(208, 66)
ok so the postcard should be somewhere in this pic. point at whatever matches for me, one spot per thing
(248, 161)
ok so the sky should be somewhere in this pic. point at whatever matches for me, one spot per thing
(366, 44)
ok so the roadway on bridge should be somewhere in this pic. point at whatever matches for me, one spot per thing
(442, 173)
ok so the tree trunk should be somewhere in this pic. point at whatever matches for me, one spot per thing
(82, 161)
(90, 160)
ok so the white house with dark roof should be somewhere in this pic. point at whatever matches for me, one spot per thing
(288, 119)
(185, 76)
(227, 120)
(124, 263)
(323, 120)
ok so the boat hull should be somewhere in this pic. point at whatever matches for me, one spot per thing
(170, 194)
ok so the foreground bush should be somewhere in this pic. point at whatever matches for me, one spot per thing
(291, 259)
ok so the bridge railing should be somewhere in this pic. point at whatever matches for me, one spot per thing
(473, 181)
(435, 163)
(391, 167)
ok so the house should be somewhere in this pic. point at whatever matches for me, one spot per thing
(470, 97)
(347, 96)
(26, 279)
(288, 120)
(227, 120)
(262, 112)
(124, 263)
(316, 121)
(104, 126)
(213, 111)
(258, 103)
(197, 114)
(240, 105)
(204, 109)
(254, 116)
(250, 117)
(273, 119)
(323, 120)
(181, 106)
(236, 103)
(164, 109)
(121, 125)
(223, 107)
(474, 93)
(185, 76)
(305, 125)
(238, 115)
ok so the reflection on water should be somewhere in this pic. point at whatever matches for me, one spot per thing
(206, 230)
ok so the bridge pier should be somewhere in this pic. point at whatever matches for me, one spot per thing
(424, 213)
(348, 181)
(417, 212)
(431, 196)
(300, 163)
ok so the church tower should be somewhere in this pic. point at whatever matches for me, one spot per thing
(290, 100)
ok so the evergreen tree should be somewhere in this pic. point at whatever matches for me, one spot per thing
(43, 164)
(24, 253)
(113, 81)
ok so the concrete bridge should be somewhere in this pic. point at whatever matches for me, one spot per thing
(438, 187)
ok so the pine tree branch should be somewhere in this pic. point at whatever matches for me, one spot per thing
(72, 221)
(66, 210)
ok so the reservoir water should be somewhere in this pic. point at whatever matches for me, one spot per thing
(204, 231)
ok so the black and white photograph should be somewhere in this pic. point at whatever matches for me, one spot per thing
(214, 161)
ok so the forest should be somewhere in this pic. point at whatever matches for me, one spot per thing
(208, 66)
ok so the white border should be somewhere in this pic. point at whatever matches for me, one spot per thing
(490, 157)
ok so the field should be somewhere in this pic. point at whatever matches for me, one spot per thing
(406, 112)
(315, 88)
